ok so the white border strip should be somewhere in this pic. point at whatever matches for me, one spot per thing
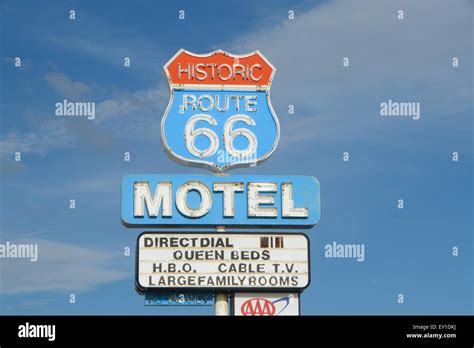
(218, 87)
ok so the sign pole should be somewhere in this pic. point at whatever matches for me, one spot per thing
(221, 305)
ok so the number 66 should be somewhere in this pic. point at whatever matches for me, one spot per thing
(230, 134)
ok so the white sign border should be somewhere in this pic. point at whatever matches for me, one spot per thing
(141, 290)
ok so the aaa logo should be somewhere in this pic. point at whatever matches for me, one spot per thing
(219, 114)
(262, 307)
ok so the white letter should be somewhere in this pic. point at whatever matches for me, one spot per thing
(287, 202)
(52, 332)
(91, 110)
(186, 102)
(21, 331)
(228, 189)
(142, 196)
(254, 199)
(250, 100)
(182, 196)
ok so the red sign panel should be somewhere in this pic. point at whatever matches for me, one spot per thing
(219, 68)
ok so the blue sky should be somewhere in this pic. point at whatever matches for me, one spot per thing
(408, 251)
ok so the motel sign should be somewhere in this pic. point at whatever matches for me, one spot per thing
(201, 200)
(220, 117)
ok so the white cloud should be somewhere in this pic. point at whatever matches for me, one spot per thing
(389, 58)
(50, 135)
(66, 87)
(139, 48)
(60, 268)
(101, 184)
(134, 115)
(127, 115)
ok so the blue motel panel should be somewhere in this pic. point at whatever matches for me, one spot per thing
(305, 193)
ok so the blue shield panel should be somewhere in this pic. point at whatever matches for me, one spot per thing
(258, 119)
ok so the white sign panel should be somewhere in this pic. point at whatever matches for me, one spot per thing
(239, 261)
(266, 304)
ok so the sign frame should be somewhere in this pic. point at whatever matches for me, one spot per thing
(141, 290)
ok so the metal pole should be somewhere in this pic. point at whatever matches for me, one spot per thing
(221, 305)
